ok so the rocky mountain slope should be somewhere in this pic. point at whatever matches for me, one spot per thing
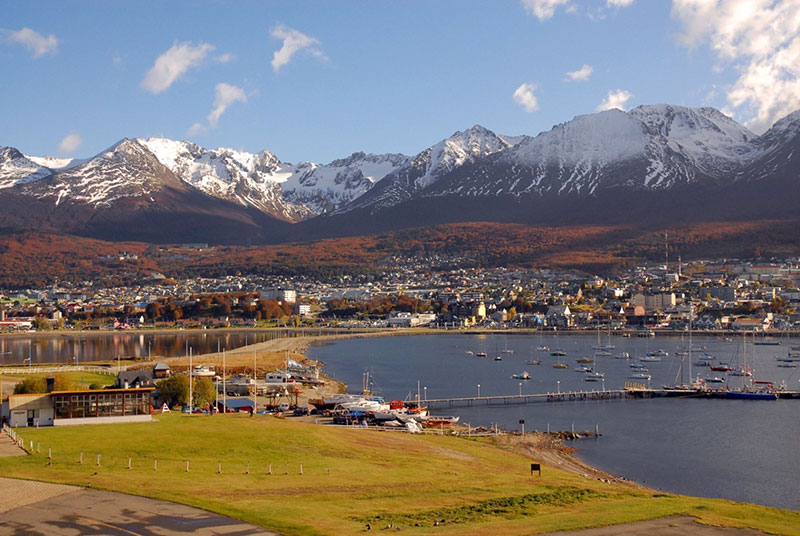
(653, 163)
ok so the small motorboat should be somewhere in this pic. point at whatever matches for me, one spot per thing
(522, 376)
(640, 376)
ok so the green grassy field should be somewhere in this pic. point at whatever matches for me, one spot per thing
(352, 477)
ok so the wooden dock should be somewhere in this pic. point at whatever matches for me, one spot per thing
(630, 391)
(501, 400)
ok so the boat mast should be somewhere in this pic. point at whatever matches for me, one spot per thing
(690, 343)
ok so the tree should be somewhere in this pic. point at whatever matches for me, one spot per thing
(38, 384)
(203, 392)
(175, 389)
(42, 323)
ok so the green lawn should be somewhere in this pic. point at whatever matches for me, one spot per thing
(351, 478)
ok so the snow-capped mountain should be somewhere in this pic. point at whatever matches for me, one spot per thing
(650, 148)
(259, 180)
(124, 170)
(664, 161)
(325, 188)
(250, 179)
(16, 168)
(426, 168)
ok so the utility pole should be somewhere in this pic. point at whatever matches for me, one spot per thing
(191, 370)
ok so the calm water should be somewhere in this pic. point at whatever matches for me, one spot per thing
(101, 347)
(740, 450)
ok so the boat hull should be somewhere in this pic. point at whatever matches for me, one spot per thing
(751, 396)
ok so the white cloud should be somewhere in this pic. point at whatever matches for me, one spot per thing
(225, 58)
(544, 9)
(172, 64)
(293, 42)
(581, 75)
(760, 40)
(619, 3)
(224, 96)
(37, 44)
(195, 129)
(617, 98)
(524, 97)
(70, 143)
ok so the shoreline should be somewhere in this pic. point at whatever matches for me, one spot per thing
(347, 332)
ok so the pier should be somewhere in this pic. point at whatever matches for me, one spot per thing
(468, 401)
(631, 390)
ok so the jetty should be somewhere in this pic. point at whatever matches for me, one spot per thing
(630, 391)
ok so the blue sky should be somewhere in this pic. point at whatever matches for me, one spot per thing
(376, 76)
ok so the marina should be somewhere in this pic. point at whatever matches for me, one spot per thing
(707, 433)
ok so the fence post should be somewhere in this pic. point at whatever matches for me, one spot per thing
(187, 466)
(269, 471)
(80, 458)
(98, 460)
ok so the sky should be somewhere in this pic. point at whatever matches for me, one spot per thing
(319, 80)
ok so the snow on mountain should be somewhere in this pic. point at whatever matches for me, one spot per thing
(16, 168)
(126, 169)
(261, 180)
(250, 179)
(324, 188)
(649, 148)
(55, 163)
(715, 142)
(425, 169)
(777, 152)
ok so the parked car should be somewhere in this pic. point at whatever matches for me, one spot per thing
(299, 412)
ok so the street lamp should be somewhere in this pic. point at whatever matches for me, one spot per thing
(425, 391)
(520, 389)
(558, 386)
(479, 390)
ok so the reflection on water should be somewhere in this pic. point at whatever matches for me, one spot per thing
(80, 348)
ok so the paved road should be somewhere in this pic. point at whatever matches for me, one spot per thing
(39, 508)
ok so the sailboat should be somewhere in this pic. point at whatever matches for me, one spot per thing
(681, 386)
(608, 345)
(542, 347)
(748, 389)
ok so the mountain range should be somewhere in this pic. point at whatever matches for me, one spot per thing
(656, 163)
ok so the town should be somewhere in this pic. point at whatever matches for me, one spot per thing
(737, 295)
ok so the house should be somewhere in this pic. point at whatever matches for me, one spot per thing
(62, 408)
(161, 370)
(136, 378)
(559, 315)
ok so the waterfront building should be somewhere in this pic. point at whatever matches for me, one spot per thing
(62, 408)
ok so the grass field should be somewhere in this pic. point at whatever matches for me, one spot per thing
(352, 477)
